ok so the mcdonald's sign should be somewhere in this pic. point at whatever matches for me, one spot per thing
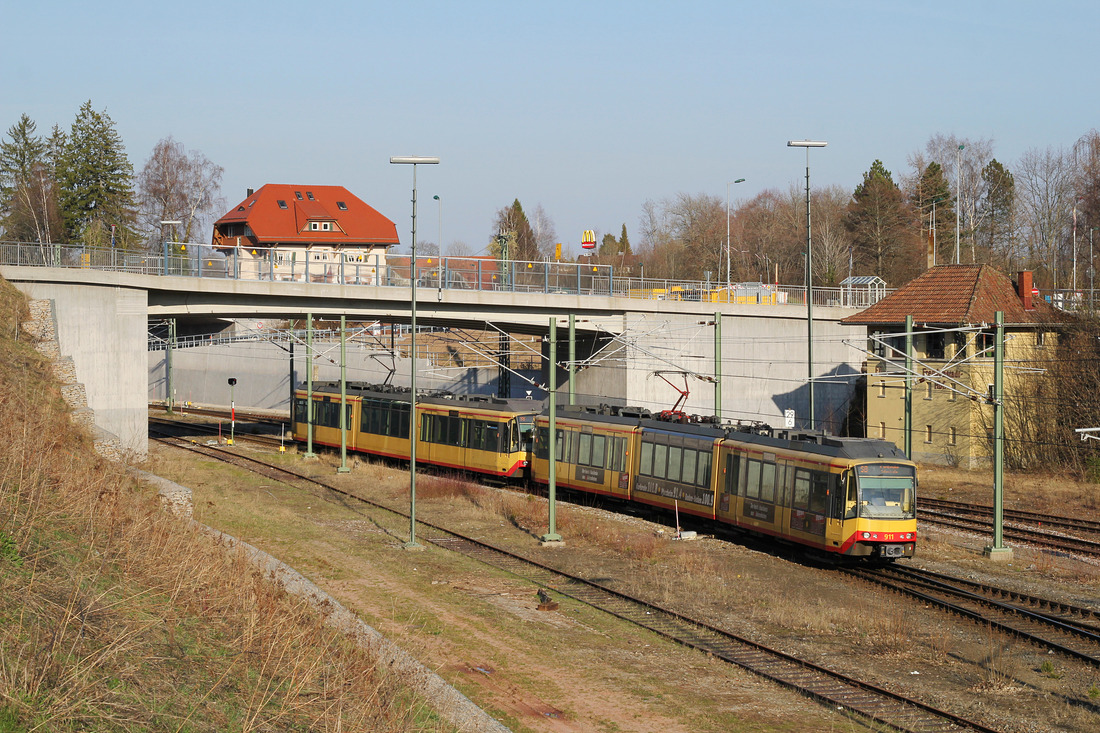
(588, 239)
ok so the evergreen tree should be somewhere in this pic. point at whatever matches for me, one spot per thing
(609, 246)
(624, 243)
(997, 214)
(96, 182)
(524, 247)
(28, 206)
(881, 226)
(932, 198)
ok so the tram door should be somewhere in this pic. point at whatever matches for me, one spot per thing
(834, 534)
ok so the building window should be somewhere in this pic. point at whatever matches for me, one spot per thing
(953, 437)
(298, 195)
(309, 195)
(882, 430)
(960, 344)
(282, 204)
(935, 345)
(326, 226)
(927, 433)
(928, 390)
(313, 226)
(341, 206)
(986, 339)
(1040, 338)
(882, 388)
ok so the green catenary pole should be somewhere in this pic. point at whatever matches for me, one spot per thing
(552, 382)
(572, 359)
(998, 550)
(718, 365)
(908, 427)
(168, 364)
(343, 398)
(309, 386)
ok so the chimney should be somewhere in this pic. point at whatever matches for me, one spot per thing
(1023, 288)
(249, 194)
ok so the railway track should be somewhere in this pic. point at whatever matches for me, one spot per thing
(976, 522)
(863, 701)
(172, 428)
(1066, 629)
(1021, 516)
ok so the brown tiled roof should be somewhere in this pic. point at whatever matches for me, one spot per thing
(950, 295)
(357, 222)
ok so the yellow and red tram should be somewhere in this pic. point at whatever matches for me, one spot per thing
(843, 496)
(474, 433)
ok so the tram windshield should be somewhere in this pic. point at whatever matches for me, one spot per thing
(886, 491)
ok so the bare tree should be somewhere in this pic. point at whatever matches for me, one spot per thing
(180, 185)
(545, 235)
(962, 169)
(1044, 187)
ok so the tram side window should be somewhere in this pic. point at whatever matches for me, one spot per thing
(328, 415)
(819, 492)
(599, 450)
(615, 454)
(752, 480)
(486, 435)
(733, 471)
(660, 461)
(767, 482)
(584, 449)
(645, 467)
(675, 462)
(542, 443)
(300, 407)
(702, 469)
(801, 489)
(691, 461)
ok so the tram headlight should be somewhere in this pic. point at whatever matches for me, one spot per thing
(866, 535)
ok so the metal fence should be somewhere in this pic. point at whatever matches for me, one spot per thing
(185, 259)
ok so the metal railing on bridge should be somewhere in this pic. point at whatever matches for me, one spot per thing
(441, 273)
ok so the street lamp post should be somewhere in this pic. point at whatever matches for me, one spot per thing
(439, 268)
(167, 223)
(809, 271)
(413, 160)
(958, 199)
(729, 272)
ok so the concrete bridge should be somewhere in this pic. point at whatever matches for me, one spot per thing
(742, 361)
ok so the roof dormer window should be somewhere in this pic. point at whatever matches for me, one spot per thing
(282, 204)
(298, 195)
(309, 195)
(341, 206)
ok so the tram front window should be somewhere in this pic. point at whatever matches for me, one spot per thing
(886, 492)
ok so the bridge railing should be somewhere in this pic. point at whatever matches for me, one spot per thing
(188, 259)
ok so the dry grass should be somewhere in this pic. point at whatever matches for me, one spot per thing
(115, 616)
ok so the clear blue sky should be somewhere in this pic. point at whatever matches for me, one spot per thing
(587, 108)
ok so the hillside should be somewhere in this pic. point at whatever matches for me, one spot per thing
(117, 616)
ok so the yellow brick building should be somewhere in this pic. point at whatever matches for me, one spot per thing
(953, 309)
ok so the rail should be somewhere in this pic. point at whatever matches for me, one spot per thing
(188, 259)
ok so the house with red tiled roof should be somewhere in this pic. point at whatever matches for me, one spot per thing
(314, 233)
(953, 309)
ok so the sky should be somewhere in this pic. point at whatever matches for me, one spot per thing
(587, 109)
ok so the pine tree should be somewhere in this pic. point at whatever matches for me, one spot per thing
(624, 243)
(932, 198)
(997, 207)
(96, 180)
(881, 227)
(512, 219)
(28, 206)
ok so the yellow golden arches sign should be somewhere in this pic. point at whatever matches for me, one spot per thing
(588, 239)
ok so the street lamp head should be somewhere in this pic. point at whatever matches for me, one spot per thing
(173, 221)
(436, 197)
(806, 143)
(740, 180)
(414, 159)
